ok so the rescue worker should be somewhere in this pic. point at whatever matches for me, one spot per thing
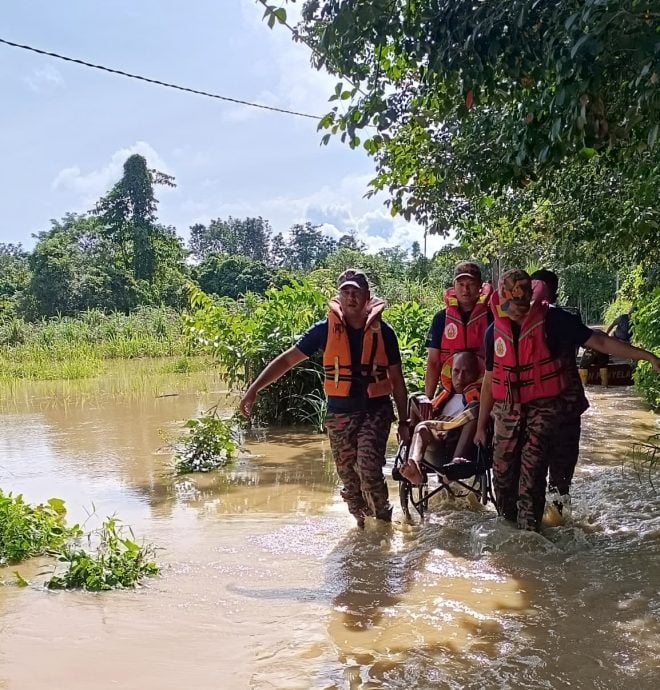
(461, 325)
(522, 387)
(563, 455)
(362, 369)
(457, 401)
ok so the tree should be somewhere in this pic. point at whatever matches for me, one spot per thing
(14, 276)
(350, 241)
(241, 237)
(128, 215)
(307, 247)
(233, 276)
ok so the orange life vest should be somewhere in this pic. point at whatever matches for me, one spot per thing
(339, 371)
(459, 337)
(529, 371)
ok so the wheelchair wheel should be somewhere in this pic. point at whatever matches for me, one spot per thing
(414, 501)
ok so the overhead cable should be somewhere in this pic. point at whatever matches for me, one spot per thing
(158, 82)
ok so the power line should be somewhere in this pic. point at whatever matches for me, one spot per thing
(158, 82)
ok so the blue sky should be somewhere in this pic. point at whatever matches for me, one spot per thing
(65, 130)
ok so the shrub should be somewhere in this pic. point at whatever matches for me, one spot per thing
(27, 530)
(646, 326)
(209, 444)
(245, 336)
(116, 562)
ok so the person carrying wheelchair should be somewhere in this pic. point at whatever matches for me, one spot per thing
(461, 325)
(522, 388)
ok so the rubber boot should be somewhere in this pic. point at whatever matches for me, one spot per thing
(604, 377)
(584, 375)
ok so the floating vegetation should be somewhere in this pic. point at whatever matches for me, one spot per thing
(644, 458)
(211, 443)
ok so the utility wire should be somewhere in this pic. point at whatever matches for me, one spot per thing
(157, 81)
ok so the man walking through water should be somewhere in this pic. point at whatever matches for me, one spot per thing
(564, 454)
(522, 388)
(461, 325)
(362, 369)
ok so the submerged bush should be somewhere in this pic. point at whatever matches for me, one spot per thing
(118, 561)
(27, 530)
(209, 444)
(246, 335)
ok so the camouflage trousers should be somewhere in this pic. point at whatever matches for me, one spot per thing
(523, 434)
(358, 441)
(564, 453)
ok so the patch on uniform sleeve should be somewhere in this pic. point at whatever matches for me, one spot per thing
(500, 347)
(451, 332)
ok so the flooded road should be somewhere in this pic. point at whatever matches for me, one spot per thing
(267, 584)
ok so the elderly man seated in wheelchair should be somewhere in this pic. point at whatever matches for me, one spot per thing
(442, 440)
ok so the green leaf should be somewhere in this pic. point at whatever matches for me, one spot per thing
(57, 504)
(579, 43)
(587, 152)
(20, 580)
(652, 137)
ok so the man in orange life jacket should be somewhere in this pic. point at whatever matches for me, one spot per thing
(522, 388)
(362, 368)
(461, 325)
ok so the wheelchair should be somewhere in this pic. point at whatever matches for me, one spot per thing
(459, 480)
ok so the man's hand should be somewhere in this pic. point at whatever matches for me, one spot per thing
(247, 403)
(481, 438)
(403, 432)
(425, 408)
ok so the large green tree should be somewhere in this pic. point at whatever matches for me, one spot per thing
(127, 214)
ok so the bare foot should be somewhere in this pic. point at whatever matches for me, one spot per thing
(412, 473)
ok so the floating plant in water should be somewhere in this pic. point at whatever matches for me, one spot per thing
(211, 443)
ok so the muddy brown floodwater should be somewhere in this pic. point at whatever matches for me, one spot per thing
(267, 584)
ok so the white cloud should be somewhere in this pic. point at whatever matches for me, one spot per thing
(89, 186)
(296, 84)
(44, 79)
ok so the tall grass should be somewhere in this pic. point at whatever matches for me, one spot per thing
(75, 347)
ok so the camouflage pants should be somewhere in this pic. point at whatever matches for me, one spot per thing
(358, 441)
(564, 454)
(520, 458)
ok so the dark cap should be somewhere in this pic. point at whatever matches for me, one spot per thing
(467, 269)
(353, 278)
(516, 287)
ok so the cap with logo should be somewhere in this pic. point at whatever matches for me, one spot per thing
(353, 278)
(467, 269)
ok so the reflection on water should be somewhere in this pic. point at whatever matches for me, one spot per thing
(267, 584)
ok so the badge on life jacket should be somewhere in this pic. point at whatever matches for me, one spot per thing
(451, 331)
(500, 347)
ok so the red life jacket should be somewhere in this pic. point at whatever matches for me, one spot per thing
(529, 371)
(338, 368)
(458, 337)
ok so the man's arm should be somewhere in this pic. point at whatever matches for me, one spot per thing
(400, 395)
(485, 408)
(613, 346)
(432, 375)
(273, 371)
